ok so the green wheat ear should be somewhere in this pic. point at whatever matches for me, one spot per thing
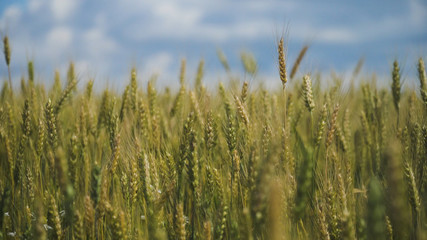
(133, 89)
(54, 219)
(180, 223)
(423, 80)
(182, 72)
(321, 126)
(395, 87)
(71, 75)
(199, 77)
(249, 63)
(223, 59)
(65, 94)
(30, 71)
(308, 93)
(7, 53)
(78, 226)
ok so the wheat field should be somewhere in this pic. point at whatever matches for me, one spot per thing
(305, 161)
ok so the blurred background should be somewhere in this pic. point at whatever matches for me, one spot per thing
(107, 38)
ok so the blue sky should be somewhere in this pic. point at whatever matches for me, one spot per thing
(106, 38)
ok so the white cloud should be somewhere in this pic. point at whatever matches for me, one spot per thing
(13, 12)
(35, 5)
(58, 40)
(418, 12)
(62, 9)
(82, 68)
(387, 26)
(97, 42)
(337, 35)
(158, 63)
(177, 15)
(168, 20)
(10, 16)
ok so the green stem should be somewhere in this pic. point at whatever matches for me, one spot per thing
(10, 78)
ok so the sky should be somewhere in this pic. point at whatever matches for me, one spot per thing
(106, 38)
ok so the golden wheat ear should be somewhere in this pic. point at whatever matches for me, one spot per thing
(298, 61)
(282, 63)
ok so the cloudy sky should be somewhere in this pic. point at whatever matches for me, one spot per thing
(105, 38)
